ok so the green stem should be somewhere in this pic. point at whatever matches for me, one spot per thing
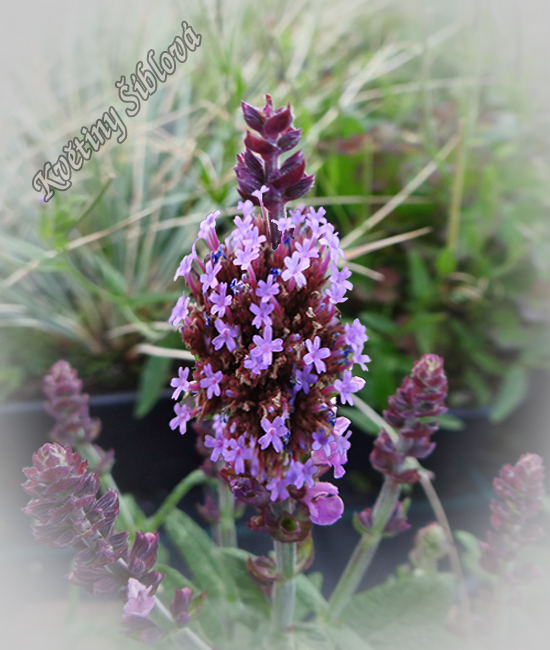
(284, 592)
(188, 640)
(196, 477)
(226, 533)
(364, 552)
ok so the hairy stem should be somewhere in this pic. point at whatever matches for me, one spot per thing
(284, 592)
(367, 546)
(226, 531)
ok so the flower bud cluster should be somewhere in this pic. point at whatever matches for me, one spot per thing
(420, 396)
(272, 352)
(68, 513)
(285, 183)
(69, 406)
(521, 492)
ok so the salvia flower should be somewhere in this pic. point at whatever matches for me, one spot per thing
(67, 512)
(521, 490)
(273, 356)
(421, 395)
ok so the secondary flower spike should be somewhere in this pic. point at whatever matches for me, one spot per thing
(521, 491)
(421, 395)
(282, 184)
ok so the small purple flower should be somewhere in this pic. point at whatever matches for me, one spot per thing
(340, 278)
(139, 603)
(180, 311)
(325, 506)
(336, 293)
(297, 217)
(237, 452)
(267, 290)
(183, 415)
(265, 347)
(246, 208)
(274, 431)
(245, 257)
(208, 278)
(253, 364)
(180, 383)
(295, 265)
(258, 193)
(217, 444)
(307, 248)
(278, 488)
(300, 473)
(356, 334)
(207, 230)
(348, 385)
(331, 240)
(305, 378)
(285, 223)
(316, 354)
(227, 336)
(261, 314)
(185, 266)
(322, 441)
(220, 301)
(211, 382)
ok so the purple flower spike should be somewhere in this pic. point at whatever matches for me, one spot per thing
(325, 506)
(521, 490)
(69, 406)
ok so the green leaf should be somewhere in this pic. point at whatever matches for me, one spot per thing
(512, 392)
(421, 285)
(151, 382)
(250, 594)
(308, 598)
(173, 579)
(449, 422)
(203, 558)
(405, 614)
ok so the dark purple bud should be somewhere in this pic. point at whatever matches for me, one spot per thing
(397, 523)
(289, 140)
(292, 173)
(264, 572)
(299, 189)
(278, 123)
(250, 491)
(258, 145)
(253, 117)
(179, 607)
